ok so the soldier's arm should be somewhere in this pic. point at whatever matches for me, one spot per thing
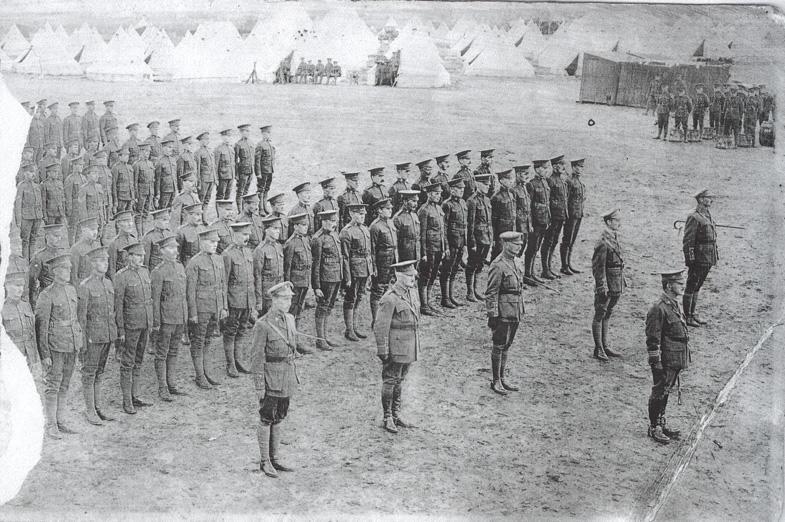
(191, 277)
(114, 188)
(374, 233)
(156, 288)
(257, 161)
(688, 241)
(598, 266)
(287, 260)
(654, 320)
(471, 206)
(119, 303)
(258, 260)
(346, 245)
(227, 264)
(18, 207)
(422, 215)
(83, 300)
(43, 311)
(223, 283)
(316, 262)
(381, 326)
(43, 203)
(492, 291)
(259, 343)
(111, 272)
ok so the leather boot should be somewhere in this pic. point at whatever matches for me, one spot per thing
(397, 407)
(171, 368)
(687, 306)
(445, 302)
(231, 368)
(125, 386)
(450, 289)
(136, 384)
(88, 390)
(565, 265)
(301, 347)
(275, 442)
(668, 432)
(348, 320)
(196, 357)
(321, 343)
(325, 329)
(50, 409)
(357, 332)
(496, 383)
(551, 250)
(203, 357)
(596, 332)
(237, 353)
(263, 437)
(477, 295)
(503, 368)
(61, 424)
(425, 309)
(545, 262)
(98, 400)
(160, 373)
(655, 432)
(374, 309)
(388, 423)
(532, 273)
(470, 288)
(605, 344)
(695, 315)
(569, 262)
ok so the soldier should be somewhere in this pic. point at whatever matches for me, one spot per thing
(153, 141)
(70, 159)
(88, 241)
(28, 161)
(174, 136)
(132, 143)
(465, 173)
(205, 170)
(71, 185)
(504, 305)
(170, 315)
(734, 108)
(112, 146)
(559, 193)
(682, 107)
(53, 129)
(251, 215)
(92, 201)
(401, 183)
(443, 164)
(433, 243)
(28, 210)
(455, 214)
(350, 197)
(384, 249)
(19, 319)
(609, 283)
(700, 253)
(328, 202)
(423, 180)
(327, 273)
(240, 295)
(478, 234)
(716, 108)
(751, 108)
(244, 161)
(106, 122)
(699, 110)
(766, 105)
(311, 69)
(523, 213)
(575, 199)
(53, 195)
(96, 314)
(397, 340)
(299, 75)
(651, 97)
(297, 263)
(667, 343)
(224, 164)
(377, 191)
(318, 72)
(486, 156)
(358, 265)
(222, 225)
(124, 221)
(151, 240)
(504, 210)
(206, 295)
(664, 103)
(540, 194)
(186, 197)
(186, 162)
(267, 263)
(91, 148)
(49, 156)
(37, 132)
(264, 165)
(90, 124)
(303, 206)
(407, 226)
(328, 70)
(277, 209)
(188, 234)
(39, 276)
(60, 339)
(134, 316)
(123, 185)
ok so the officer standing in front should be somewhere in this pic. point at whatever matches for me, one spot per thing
(700, 253)
(608, 269)
(327, 273)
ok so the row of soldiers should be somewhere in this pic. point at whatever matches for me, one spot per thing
(318, 72)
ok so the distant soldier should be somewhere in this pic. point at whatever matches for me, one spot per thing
(540, 194)
(224, 165)
(222, 225)
(188, 234)
(407, 226)
(277, 209)
(123, 186)
(112, 146)
(49, 156)
(186, 197)
(264, 165)
(240, 295)
(19, 319)
(267, 263)
(716, 108)
(92, 201)
(455, 221)
(401, 183)
(186, 162)
(107, 121)
(734, 108)
(53, 129)
(504, 305)
(358, 264)
(504, 210)
(97, 318)
(250, 214)
(39, 275)
(301, 72)
(318, 72)
(433, 244)
(682, 107)
(350, 197)
(751, 108)
(174, 137)
(423, 180)
(559, 193)
(132, 143)
(244, 161)
(28, 161)
(90, 124)
(72, 126)
(148, 184)
(311, 70)
(609, 283)
(170, 315)
(70, 158)
(154, 142)
(664, 103)
(151, 240)
(465, 173)
(328, 70)
(205, 170)
(667, 343)
(699, 110)
(766, 105)
(523, 211)
(651, 95)
(88, 241)
(53, 195)
(124, 221)
(441, 177)
(28, 210)
(375, 192)
(328, 202)
(303, 206)
(297, 261)
(36, 134)
(384, 248)
(700, 253)
(486, 157)
(479, 234)
(397, 335)
(327, 273)
(575, 199)
(71, 186)
(60, 339)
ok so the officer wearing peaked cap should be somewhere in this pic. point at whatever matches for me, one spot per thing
(441, 177)
(186, 197)
(559, 193)
(240, 296)
(609, 282)
(384, 248)
(700, 252)
(297, 262)
(123, 186)
(267, 262)
(465, 173)
(72, 125)
(522, 205)
(303, 206)
(153, 141)
(132, 143)
(407, 226)
(350, 197)
(425, 179)
(28, 210)
(374, 193)
(486, 157)
(277, 202)
(149, 181)
(52, 194)
(401, 183)
(90, 124)
(358, 264)
(250, 214)
(328, 202)
(327, 273)
(433, 244)
(504, 211)
(455, 215)
(174, 137)
(53, 129)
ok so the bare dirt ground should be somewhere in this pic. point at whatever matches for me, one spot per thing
(572, 444)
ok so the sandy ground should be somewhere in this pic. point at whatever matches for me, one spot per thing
(572, 444)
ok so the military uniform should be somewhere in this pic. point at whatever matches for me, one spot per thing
(297, 261)
(223, 228)
(183, 200)
(751, 108)
(118, 257)
(358, 264)
(559, 192)
(80, 262)
(152, 251)
(716, 109)
(36, 135)
(53, 198)
(734, 108)
(468, 181)
(186, 166)
(257, 228)
(664, 103)
(433, 242)
(267, 270)
(90, 126)
(132, 146)
(156, 149)
(442, 179)
(20, 265)
(455, 214)
(407, 229)
(376, 192)
(399, 185)
(327, 273)
(224, 164)
(609, 284)
(299, 208)
(92, 202)
(112, 148)
(53, 132)
(71, 187)
(349, 197)
(576, 196)
(323, 205)
(188, 241)
(540, 194)
(39, 275)
(699, 110)
(504, 215)
(150, 184)
(205, 175)
(106, 122)
(123, 187)
(699, 245)
(244, 164)
(523, 212)
(384, 248)
(174, 137)
(28, 214)
(241, 298)
(19, 324)
(478, 239)
(264, 167)
(682, 107)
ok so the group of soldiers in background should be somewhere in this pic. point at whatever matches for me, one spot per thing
(734, 111)
(318, 72)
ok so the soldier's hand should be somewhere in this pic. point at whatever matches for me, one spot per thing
(603, 293)
(194, 319)
(383, 357)
(493, 322)
(46, 362)
(654, 360)
(318, 293)
(224, 314)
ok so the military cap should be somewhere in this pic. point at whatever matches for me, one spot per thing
(482, 178)
(52, 105)
(376, 171)
(162, 212)
(226, 132)
(209, 234)
(433, 187)
(486, 153)
(611, 214)
(124, 215)
(72, 140)
(25, 104)
(153, 123)
(203, 135)
(557, 159)
(111, 127)
(438, 159)
(187, 139)
(578, 162)
(302, 186)
(193, 207)
(244, 126)
(511, 236)
(89, 222)
(403, 166)
(539, 163)
(704, 193)
(672, 275)
(240, 227)
(186, 174)
(51, 162)
(144, 146)
(356, 207)
(100, 154)
(270, 220)
(224, 202)
(90, 103)
(327, 182)
(457, 182)
(409, 193)
(98, 253)
(403, 266)
(298, 218)
(265, 128)
(52, 228)
(108, 102)
(350, 175)
(16, 278)
(62, 260)
(28, 165)
(521, 168)
(504, 174)
(463, 153)
(73, 104)
(328, 214)
(282, 289)
(132, 126)
(167, 239)
(273, 199)
(174, 121)
(41, 102)
(134, 248)
(382, 203)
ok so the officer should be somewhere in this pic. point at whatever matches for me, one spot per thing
(350, 197)
(244, 161)
(608, 269)
(226, 216)
(682, 107)
(188, 238)
(92, 201)
(19, 319)
(425, 179)
(443, 165)
(328, 202)
(205, 170)
(52, 194)
(81, 266)
(297, 263)
(540, 194)
(97, 318)
(504, 210)
(132, 143)
(123, 186)
(153, 141)
(186, 197)
(523, 212)
(700, 253)
(303, 206)
(478, 234)
(39, 276)
(486, 156)
(397, 340)
(384, 248)
(251, 215)
(358, 265)
(206, 296)
(264, 165)
(664, 104)
(28, 210)
(152, 252)
(125, 236)
(465, 173)
(504, 305)
(90, 123)
(164, 176)
(699, 110)
(667, 343)
(327, 273)
(72, 126)
(407, 226)
(60, 338)
(377, 191)
(170, 314)
(433, 243)
(106, 122)
(71, 185)
(575, 199)
(559, 193)
(240, 296)
(276, 209)
(186, 162)
(267, 263)
(455, 215)
(401, 183)
(224, 164)
(53, 129)
(275, 376)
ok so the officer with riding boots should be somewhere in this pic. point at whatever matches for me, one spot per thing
(455, 214)
(407, 226)
(540, 194)
(558, 201)
(152, 252)
(396, 331)
(327, 273)
(125, 236)
(575, 199)
(384, 248)
(433, 244)
(377, 191)
(303, 206)
(401, 183)
(700, 253)
(328, 202)
(205, 170)
(267, 263)
(504, 305)
(350, 197)
(240, 296)
(608, 269)
(297, 261)
(478, 235)
(667, 344)
(504, 210)
(358, 264)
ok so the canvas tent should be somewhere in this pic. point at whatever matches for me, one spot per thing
(14, 43)
(501, 60)
(51, 61)
(420, 63)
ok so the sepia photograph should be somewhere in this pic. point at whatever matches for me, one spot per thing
(331, 259)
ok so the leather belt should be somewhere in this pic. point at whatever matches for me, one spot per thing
(272, 359)
(403, 326)
(61, 323)
(508, 292)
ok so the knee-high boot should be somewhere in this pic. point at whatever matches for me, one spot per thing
(348, 320)
(388, 391)
(321, 342)
(136, 384)
(502, 369)
(301, 347)
(445, 302)
(50, 409)
(203, 356)
(61, 424)
(605, 344)
(450, 289)
(160, 373)
(374, 308)
(98, 400)
(470, 287)
(692, 311)
(171, 369)
(231, 367)
(425, 308)
(596, 332)
(569, 262)
(359, 333)
(198, 360)
(397, 407)
(263, 438)
(88, 390)
(687, 301)
(125, 387)
(496, 383)
(275, 443)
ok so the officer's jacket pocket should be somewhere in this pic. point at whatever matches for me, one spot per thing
(615, 279)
